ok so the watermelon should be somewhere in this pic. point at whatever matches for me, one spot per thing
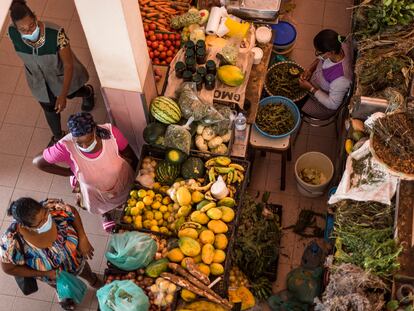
(167, 173)
(165, 110)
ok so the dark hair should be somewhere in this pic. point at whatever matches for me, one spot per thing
(82, 123)
(19, 10)
(328, 40)
(24, 210)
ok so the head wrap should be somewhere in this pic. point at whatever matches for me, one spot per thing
(82, 123)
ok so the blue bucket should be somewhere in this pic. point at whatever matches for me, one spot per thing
(285, 35)
(290, 105)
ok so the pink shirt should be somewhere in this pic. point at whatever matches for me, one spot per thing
(58, 153)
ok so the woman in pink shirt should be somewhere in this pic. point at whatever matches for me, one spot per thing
(101, 164)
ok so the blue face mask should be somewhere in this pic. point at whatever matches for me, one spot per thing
(33, 36)
(46, 226)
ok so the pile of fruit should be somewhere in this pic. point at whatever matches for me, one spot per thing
(162, 47)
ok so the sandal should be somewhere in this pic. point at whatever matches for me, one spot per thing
(67, 304)
(88, 102)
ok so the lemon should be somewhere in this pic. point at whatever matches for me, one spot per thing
(167, 215)
(149, 215)
(154, 222)
(157, 215)
(156, 205)
(156, 186)
(160, 222)
(170, 208)
(138, 225)
(142, 193)
(140, 205)
(155, 228)
(166, 200)
(127, 219)
(158, 197)
(134, 194)
(131, 202)
(163, 208)
(151, 193)
(134, 211)
(164, 230)
(147, 224)
(147, 200)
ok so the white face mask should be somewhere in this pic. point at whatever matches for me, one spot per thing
(321, 57)
(46, 226)
(32, 36)
(90, 147)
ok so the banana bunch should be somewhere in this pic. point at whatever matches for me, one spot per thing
(231, 172)
(190, 224)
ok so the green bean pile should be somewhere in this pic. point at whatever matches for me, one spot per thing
(275, 119)
(281, 82)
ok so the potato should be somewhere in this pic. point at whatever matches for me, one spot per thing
(208, 133)
(215, 142)
(201, 143)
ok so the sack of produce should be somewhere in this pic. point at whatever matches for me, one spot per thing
(179, 136)
(131, 250)
(122, 296)
(305, 284)
(190, 104)
(220, 118)
(68, 286)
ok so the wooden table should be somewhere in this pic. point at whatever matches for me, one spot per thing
(256, 82)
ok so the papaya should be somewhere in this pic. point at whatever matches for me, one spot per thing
(227, 214)
(183, 196)
(199, 217)
(189, 246)
(184, 211)
(188, 232)
(216, 269)
(175, 255)
(219, 256)
(207, 254)
(197, 196)
(187, 295)
(220, 241)
(206, 237)
(217, 226)
(246, 297)
(197, 259)
(227, 201)
(204, 268)
(214, 213)
(157, 267)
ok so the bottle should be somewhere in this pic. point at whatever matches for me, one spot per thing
(240, 126)
(198, 81)
(210, 82)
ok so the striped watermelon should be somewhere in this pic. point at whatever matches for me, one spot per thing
(165, 110)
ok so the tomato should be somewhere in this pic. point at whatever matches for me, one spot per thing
(154, 44)
(151, 55)
(172, 48)
(168, 43)
(163, 62)
(161, 48)
(159, 36)
(152, 26)
(172, 36)
(165, 36)
(149, 42)
(169, 53)
(146, 28)
(163, 55)
(151, 33)
(177, 36)
(156, 53)
(146, 34)
(156, 61)
(153, 38)
(177, 43)
(169, 59)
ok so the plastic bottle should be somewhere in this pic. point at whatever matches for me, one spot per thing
(240, 125)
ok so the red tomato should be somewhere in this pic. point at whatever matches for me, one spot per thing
(159, 36)
(156, 61)
(156, 53)
(154, 45)
(163, 55)
(165, 36)
(161, 48)
(149, 42)
(172, 36)
(153, 38)
(168, 43)
(151, 55)
(177, 43)
(152, 26)
(151, 32)
(171, 48)
(146, 28)
(169, 53)
(146, 34)
(169, 59)
(177, 36)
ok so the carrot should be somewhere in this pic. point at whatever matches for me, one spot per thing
(152, 14)
(163, 29)
(144, 2)
(169, 11)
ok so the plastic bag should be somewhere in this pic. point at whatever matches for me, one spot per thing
(131, 250)
(222, 121)
(122, 296)
(229, 53)
(179, 137)
(305, 284)
(190, 104)
(68, 286)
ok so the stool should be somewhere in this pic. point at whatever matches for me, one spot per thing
(273, 145)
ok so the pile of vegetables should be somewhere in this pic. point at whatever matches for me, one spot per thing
(364, 236)
(257, 244)
(275, 119)
(207, 140)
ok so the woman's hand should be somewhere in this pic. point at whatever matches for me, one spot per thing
(51, 274)
(60, 103)
(304, 84)
(306, 75)
(85, 248)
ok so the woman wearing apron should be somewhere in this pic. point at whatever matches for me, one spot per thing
(100, 162)
(329, 77)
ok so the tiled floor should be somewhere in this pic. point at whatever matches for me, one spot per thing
(24, 133)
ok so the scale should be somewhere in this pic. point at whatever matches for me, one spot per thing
(266, 10)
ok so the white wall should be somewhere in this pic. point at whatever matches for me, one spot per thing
(114, 33)
(4, 10)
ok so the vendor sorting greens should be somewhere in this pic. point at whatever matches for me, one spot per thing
(329, 76)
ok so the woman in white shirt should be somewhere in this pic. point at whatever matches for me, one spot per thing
(329, 76)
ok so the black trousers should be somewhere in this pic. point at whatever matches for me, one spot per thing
(53, 118)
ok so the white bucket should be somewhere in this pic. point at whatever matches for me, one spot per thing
(317, 161)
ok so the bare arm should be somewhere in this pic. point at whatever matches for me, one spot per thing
(84, 246)
(25, 271)
(47, 167)
(67, 60)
